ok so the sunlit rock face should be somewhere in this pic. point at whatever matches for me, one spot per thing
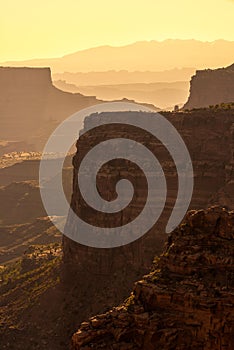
(210, 87)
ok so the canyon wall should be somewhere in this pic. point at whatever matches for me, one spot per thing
(31, 107)
(186, 302)
(210, 87)
(209, 138)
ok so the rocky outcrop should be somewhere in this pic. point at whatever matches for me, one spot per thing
(186, 302)
(208, 137)
(210, 87)
(30, 103)
(225, 194)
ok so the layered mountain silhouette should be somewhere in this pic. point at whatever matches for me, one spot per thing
(164, 95)
(115, 77)
(143, 55)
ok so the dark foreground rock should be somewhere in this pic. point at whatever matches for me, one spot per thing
(186, 302)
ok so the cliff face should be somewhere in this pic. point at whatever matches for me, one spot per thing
(31, 106)
(29, 103)
(211, 87)
(209, 138)
(186, 302)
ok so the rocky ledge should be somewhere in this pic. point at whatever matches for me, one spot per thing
(185, 303)
(210, 87)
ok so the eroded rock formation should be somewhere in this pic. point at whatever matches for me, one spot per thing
(186, 302)
(211, 87)
(209, 139)
(30, 103)
(208, 136)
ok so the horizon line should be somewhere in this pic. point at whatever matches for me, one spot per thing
(112, 46)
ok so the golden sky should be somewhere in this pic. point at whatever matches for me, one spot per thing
(52, 28)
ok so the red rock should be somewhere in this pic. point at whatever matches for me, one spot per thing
(175, 308)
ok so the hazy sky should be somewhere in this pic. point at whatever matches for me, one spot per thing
(51, 28)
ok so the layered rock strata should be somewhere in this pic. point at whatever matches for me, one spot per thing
(209, 138)
(210, 87)
(186, 302)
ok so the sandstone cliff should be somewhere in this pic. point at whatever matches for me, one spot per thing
(186, 302)
(209, 138)
(31, 107)
(93, 280)
(211, 87)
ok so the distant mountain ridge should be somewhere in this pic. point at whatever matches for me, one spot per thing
(164, 95)
(143, 55)
(113, 77)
